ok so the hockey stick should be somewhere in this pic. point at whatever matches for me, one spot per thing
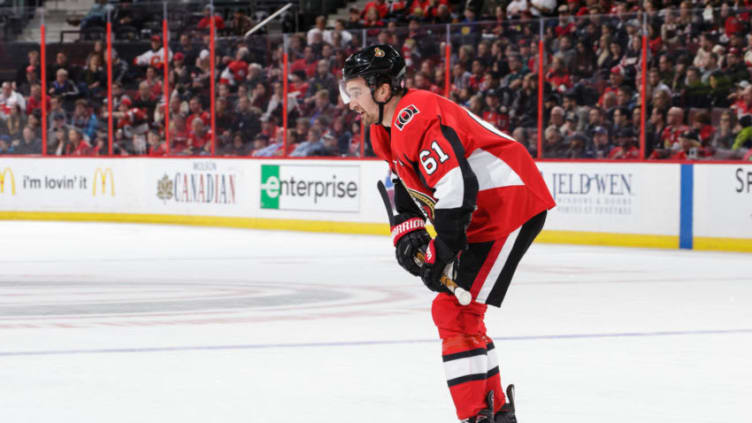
(463, 296)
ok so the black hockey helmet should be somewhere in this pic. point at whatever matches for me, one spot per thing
(379, 64)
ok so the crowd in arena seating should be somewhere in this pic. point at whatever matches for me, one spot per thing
(698, 93)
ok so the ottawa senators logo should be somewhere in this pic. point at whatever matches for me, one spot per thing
(405, 115)
(425, 202)
(378, 52)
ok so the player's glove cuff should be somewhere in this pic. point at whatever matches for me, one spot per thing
(410, 237)
(410, 224)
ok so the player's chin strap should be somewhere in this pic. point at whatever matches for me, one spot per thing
(381, 104)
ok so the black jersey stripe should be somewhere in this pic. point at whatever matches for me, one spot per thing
(474, 377)
(464, 354)
(525, 238)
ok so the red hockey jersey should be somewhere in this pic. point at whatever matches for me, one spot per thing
(449, 158)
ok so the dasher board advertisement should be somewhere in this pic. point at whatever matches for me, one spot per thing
(63, 185)
(723, 200)
(633, 198)
(310, 187)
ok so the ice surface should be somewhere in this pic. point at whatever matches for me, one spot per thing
(141, 323)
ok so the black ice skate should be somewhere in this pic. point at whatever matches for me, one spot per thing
(505, 415)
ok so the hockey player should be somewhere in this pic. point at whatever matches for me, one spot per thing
(482, 192)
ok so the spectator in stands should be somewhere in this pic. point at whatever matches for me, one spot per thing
(31, 78)
(559, 77)
(199, 138)
(97, 15)
(371, 18)
(240, 23)
(553, 143)
(318, 29)
(30, 143)
(154, 56)
(516, 9)
(33, 62)
(675, 127)
(654, 131)
(353, 18)
(703, 126)
(743, 140)
(743, 103)
(78, 145)
(146, 99)
(64, 88)
(735, 69)
(601, 145)
(626, 146)
(615, 79)
(323, 80)
(236, 71)
(723, 138)
(9, 98)
(84, 119)
(205, 22)
(13, 124)
(307, 63)
(61, 62)
(339, 28)
(34, 101)
(239, 148)
(382, 9)
(557, 119)
(310, 146)
(157, 147)
(93, 78)
(709, 66)
(695, 92)
(197, 112)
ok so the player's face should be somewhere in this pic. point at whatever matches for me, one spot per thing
(361, 101)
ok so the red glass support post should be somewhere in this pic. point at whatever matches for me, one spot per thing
(447, 64)
(166, 84)
(211, 85)
(109, 86)
(362, 124)
(644, 92)
(284, 98)
(541, 52)
(43, 77)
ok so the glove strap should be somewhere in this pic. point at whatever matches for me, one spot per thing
(431, 253)
(398, 231)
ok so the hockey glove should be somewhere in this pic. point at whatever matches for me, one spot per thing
(438, 256)
(409, 236)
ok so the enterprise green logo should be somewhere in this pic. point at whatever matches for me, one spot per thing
(270, 186)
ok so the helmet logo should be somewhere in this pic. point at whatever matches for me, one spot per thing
(377, 52)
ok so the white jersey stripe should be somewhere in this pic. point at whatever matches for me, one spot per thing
(491, 171)
(466, 367)
(450, 190)
(498, 266)
(493, 360)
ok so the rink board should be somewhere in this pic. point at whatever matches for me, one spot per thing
(701, 206)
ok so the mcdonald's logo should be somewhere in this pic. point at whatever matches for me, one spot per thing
(101, 176)
(7, 173)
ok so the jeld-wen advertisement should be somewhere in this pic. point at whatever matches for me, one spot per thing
(310, 187)
(613, 197)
